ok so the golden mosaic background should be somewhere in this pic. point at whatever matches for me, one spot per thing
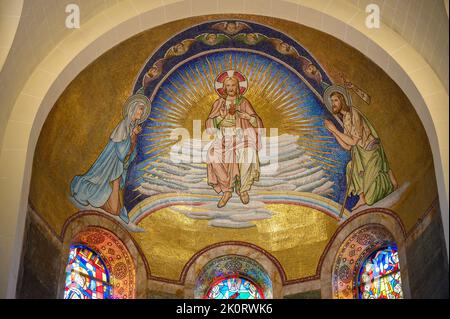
(79, 125)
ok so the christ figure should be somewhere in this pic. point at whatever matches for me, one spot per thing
(233, 162)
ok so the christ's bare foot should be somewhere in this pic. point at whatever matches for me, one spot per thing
(224, 200)
(244, 198)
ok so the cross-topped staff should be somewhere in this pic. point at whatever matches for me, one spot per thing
(347, 187)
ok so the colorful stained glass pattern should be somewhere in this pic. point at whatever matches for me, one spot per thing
(86, 275)
(379, 277)
(234, 288)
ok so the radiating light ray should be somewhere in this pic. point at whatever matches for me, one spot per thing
(186, 93)
(191, 88)
(197, 88)
(164, 119)
(161, 134)
(207, 78)
(292, 110)
(291, 105)
(175, 106)
(276, 87)
(179, 99)
(270, 85)
(281, 91)
(162, 109)
(162, 127)
(204, 84)
(317, 150)
(303, 126)
(322, 157)
(212, 69)
(155, 156)
(268, 88)
(159, 146)
(157, 138)
(168, 116)
(308, 141)
(264, 79)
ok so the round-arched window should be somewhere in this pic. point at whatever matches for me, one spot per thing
(234, 287)
(86, 275)
(379, 276)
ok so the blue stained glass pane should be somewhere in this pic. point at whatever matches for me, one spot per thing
(379, 277)
(86, 276)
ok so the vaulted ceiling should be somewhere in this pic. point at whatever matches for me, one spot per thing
(41, 27)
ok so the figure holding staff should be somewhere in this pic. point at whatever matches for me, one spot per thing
(368, 173)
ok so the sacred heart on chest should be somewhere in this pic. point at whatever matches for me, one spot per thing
(232, 109)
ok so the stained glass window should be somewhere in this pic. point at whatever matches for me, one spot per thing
(86, 275)
(234, 287)
(379, 277)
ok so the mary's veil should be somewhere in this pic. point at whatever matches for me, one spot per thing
(125, 127)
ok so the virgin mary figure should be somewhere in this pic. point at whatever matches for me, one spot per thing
(102, 185)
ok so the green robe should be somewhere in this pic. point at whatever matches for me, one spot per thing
(370, 172)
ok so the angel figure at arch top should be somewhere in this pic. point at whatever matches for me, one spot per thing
(101, 186)
(232, 159)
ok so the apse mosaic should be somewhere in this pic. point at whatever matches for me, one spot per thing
(228, 117)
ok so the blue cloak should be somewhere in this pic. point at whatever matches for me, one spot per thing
(94, 188)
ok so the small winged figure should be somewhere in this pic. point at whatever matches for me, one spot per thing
(284, 48)
(310, 70)
(153, 73)
(231, 28)
(212, 38)
(250, 38)
(179, 48)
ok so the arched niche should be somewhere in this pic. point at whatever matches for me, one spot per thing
(127, 268)
(354, 241)
(233, 266)
(351, 255)
(198, 275)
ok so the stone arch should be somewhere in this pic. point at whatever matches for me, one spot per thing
(366, 231)
(128, 268)
(240, 249)
(356, 248)
(233, 265)
(48, 80)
